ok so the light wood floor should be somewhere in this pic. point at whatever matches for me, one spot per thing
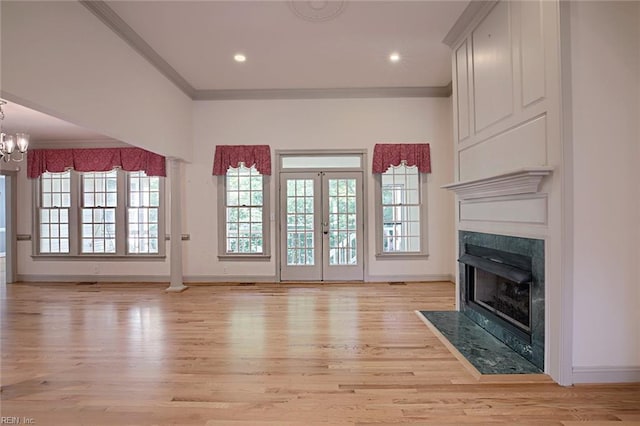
(273, 354)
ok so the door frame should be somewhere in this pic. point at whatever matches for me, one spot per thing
(11, 215)
(279, 154)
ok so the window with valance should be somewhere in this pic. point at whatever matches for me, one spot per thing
(243, 212)
(98, 202)
(400, 171)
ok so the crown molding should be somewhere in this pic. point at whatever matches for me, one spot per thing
(328, 93)
(112, 20)
(473, 11)
(523, 181)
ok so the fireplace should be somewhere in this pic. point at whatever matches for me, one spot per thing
(502, 289)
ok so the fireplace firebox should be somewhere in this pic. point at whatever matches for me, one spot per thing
(499, 286)
(502, 289)
(507, 299)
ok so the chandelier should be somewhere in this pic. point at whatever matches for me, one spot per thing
(9, 143)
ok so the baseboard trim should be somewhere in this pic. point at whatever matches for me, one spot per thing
(145, 278)
(208, 278)
(229, 278)
(625, 374)
(92, 278)
(412, 278)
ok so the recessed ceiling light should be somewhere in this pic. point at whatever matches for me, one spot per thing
(239, 57)
(394, 57)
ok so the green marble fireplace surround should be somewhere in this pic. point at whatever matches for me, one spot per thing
(531, 348)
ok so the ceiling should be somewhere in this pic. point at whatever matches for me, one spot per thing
(44, 128)
(288, 45)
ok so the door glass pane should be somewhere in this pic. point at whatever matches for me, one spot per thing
(342, 222)
(300, 220)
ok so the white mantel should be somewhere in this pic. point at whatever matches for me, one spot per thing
(522, 181)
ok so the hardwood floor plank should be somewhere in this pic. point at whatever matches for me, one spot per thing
(265, 354)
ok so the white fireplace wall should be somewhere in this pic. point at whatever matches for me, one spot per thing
(506, 110)
(506, 85)
(588, 210)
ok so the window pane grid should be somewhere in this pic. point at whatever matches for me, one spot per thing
(143, 214)
(54, 230)
(244, 210)
(342, 222)
(55, 200)
(100, 189)
(401, 210)
(101, 220)
(98, 230)
(300, 222)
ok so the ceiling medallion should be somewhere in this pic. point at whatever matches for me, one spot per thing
(317, 10)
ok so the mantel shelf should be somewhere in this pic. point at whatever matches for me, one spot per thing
(522, 181)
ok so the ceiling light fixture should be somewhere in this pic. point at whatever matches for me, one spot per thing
(394, 57)
(239, 57)
(9, 143)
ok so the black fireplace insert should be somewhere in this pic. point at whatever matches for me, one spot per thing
(498, 285)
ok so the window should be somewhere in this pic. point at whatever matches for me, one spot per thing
(143, 214)
(109, 214)
(401, 212)
(99, 203)
(55, 202)
(309, 161)
(245, 213)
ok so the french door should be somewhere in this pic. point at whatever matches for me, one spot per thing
(321, 226)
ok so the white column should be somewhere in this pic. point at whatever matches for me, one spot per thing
(176, 284)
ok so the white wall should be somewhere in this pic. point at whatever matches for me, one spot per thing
(605, 47)
(318, 124)
(58, 58)
(638, 162)
(294, 124)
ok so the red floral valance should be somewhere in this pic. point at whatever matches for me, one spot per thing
(94, 160)
(231, 155)
(392, 154)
